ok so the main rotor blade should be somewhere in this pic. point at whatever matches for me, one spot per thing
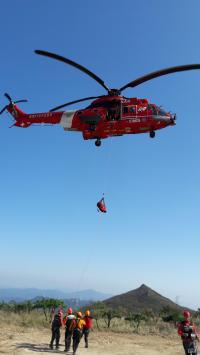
(158, 73)
(74, 64)
(74, 102)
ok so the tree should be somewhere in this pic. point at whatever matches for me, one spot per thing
(17, 307)
(170, 315)
(28, 306)
(108, 315)
(48, 306)
(98, 310)
(135, 319)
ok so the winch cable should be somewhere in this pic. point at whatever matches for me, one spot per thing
(101, 217)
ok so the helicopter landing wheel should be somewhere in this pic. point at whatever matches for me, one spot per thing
(152, 134)
(98, 142)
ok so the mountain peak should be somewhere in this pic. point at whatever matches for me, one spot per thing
(143, 287)
(143, 290)
(140, 299)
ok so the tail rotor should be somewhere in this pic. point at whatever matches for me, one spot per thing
(11, 102)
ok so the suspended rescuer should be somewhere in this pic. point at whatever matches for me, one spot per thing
(87, 327)
(69, 322)
(77, 334)
(188, 333)
(101, 206)
(55, 328)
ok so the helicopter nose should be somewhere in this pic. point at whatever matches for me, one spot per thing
(173, 119)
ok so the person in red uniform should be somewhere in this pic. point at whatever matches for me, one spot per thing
(101, 205)
(88, 326)
(188, 333)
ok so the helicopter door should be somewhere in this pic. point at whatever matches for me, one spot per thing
(115, 111)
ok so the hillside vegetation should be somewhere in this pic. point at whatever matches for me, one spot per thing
(40, 315)
(26, 327)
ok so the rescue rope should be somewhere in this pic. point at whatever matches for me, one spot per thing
(106, 182)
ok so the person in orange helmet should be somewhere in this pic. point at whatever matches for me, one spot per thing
(188, 333)
(69, 322)
(88, 326)
(77, 334)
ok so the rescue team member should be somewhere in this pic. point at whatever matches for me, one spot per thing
(60, 312)
(69, 322)
(55, 328)
(87, 327)
(101, 205)
(77, 334)
(188, 332)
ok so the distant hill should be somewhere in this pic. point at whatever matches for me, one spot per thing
(19, 295)
(75, 303)
(141, 299)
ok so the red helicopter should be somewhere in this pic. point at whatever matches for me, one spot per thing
(109, 115)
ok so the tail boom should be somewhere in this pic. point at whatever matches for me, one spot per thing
(25, 120)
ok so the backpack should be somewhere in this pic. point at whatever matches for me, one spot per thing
(70, 324)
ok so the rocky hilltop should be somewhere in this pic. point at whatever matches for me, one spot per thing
(141, 299)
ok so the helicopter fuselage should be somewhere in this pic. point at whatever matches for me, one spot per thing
(105, 117)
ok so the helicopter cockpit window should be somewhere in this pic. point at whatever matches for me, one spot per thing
(157, 111)
(161, 112)
(154, 110)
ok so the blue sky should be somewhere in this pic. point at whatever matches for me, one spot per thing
(51, 233)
